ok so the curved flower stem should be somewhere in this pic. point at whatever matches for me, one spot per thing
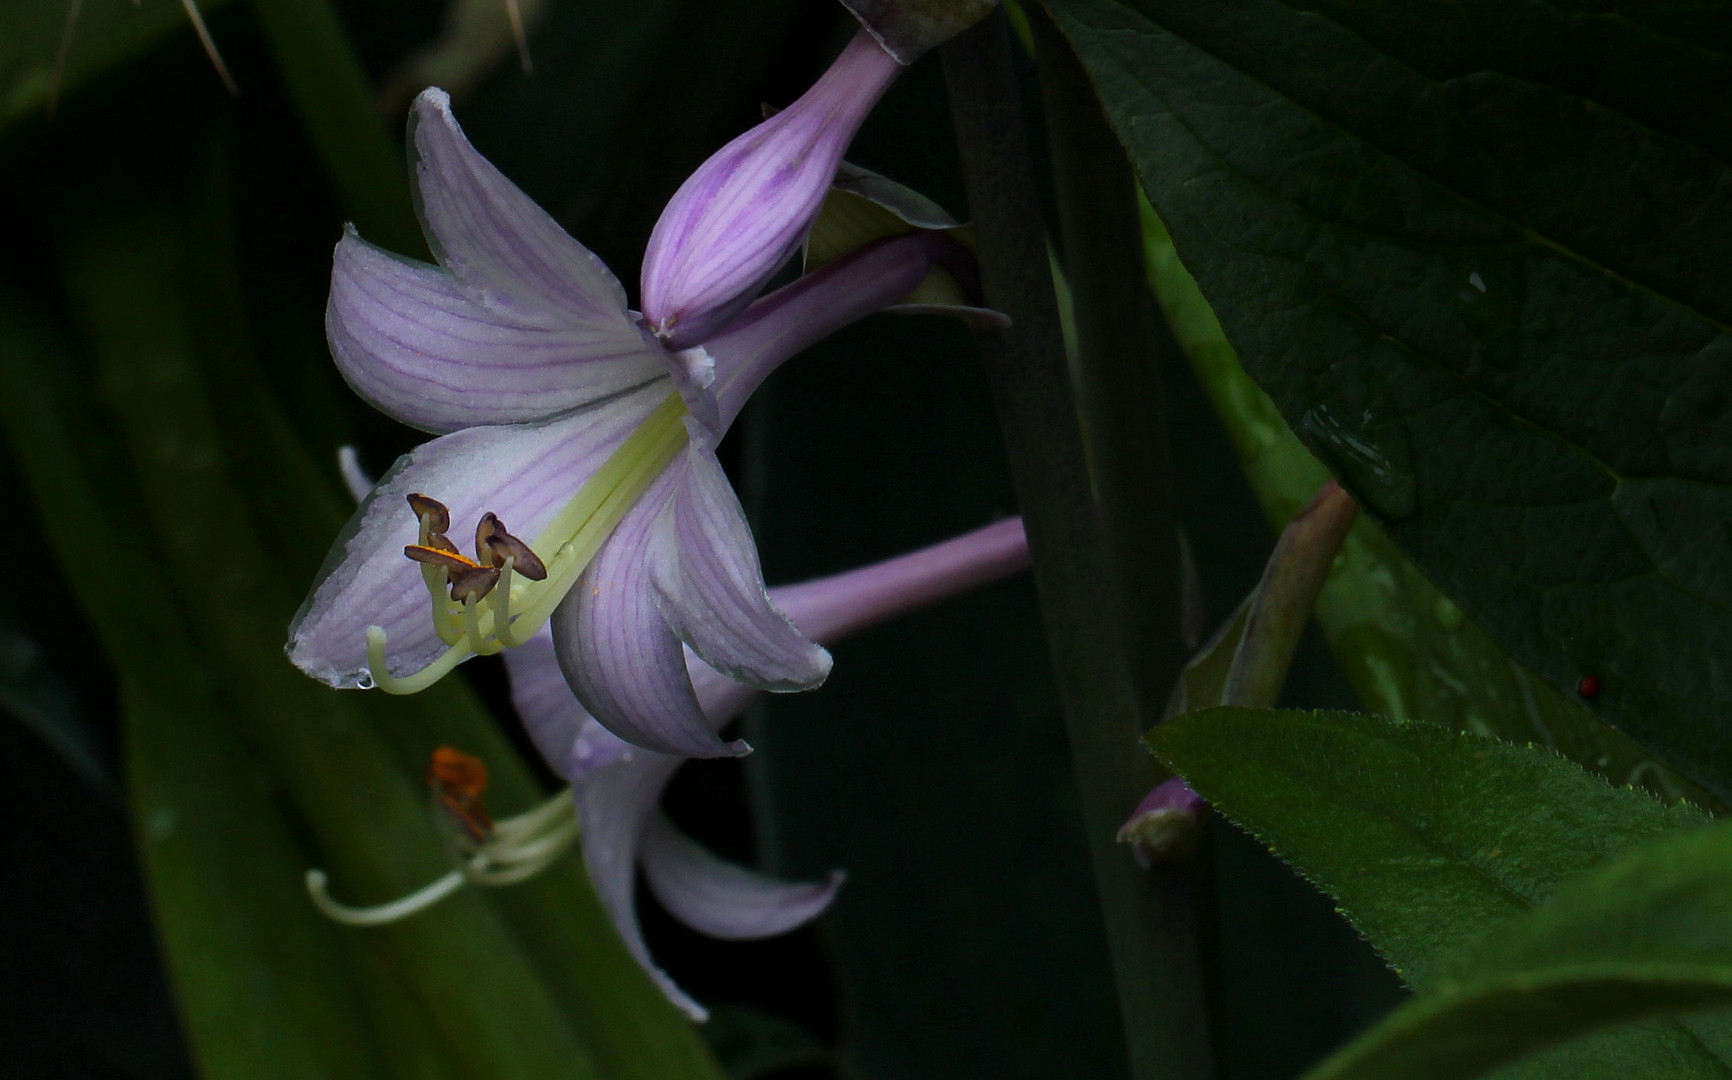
(1150, 917)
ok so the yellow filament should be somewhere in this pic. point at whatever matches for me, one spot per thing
(579, 529)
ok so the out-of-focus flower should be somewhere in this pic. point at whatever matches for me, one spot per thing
(617, 787)
(562, 418)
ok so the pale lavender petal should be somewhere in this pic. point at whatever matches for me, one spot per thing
(704, 566)
(622, 660)
(736, 220)
(796, 315)
(525, 473)
(515, 258)
(423, 346)
(613, 806)
(722, 899)
(544, 704)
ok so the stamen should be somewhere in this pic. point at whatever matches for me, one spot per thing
(434, 556)
(504, 547)
(458, 782)
(434, 517)
(515, 850)
(477, 641)
(318, 887)
(421, 680)
(473, 584)
(575, 534)
(502, 628)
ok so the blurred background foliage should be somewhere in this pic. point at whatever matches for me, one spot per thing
(171, 424)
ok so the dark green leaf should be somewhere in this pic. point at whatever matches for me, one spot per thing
(1425, 837)
(1470, 251)
(223, 868)
(1409, 651)
(1645, 935)
(1428, 838)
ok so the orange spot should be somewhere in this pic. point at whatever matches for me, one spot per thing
(458, 781)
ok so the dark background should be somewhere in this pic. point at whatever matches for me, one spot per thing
(932, 767)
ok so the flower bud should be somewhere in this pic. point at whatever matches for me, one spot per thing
(1164, 825)
(735, 221)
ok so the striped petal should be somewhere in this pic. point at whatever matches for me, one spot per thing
(525, 473)
(423, 346)
(704, 565)
(720, 898)
(614, 805)
(738, 218)
(494, 239)
(618, 653)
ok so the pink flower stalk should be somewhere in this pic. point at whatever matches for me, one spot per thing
(617, 786)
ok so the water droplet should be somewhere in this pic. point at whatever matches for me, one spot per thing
(1374, 461)
(1476, 281)
(365, 681)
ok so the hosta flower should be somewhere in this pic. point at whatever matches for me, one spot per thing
(617, 787)
(576, 445)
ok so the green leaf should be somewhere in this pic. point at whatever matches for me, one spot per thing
(1428, 838)
(1408, 650)
(222, 866)
(1468, 250)
(1645, 935)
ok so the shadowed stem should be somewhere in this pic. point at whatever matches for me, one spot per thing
(1150, 917)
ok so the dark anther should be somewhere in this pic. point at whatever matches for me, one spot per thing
(473, 583)
(493, 545)
(431, 511)
(439, 556)
(523, 560)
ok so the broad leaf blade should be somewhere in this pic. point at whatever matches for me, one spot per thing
(1408, 650)
(1425, 837)
(1645, 935)
(1419, 237)
(223, 870)
(1428, 838)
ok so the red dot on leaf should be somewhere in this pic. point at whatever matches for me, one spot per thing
(1588, 687)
